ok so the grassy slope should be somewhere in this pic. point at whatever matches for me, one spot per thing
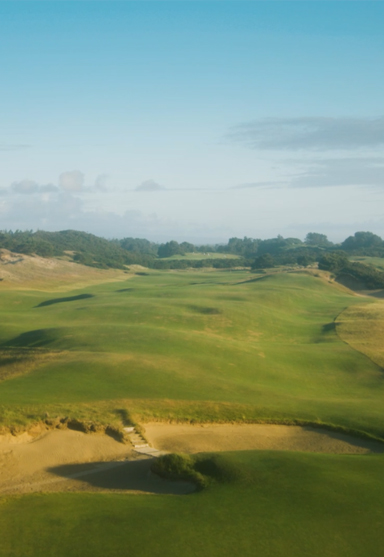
(377, 262)
(251, 349)
(167, 343)
(271, 504)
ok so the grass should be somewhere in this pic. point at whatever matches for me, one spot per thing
(377, 262)
(258, 503)
(189, 345)
(200, 346)
(362, 327)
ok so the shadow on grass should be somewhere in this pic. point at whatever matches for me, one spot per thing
(125, 290)
(63, 300)
(38, 338)
(205, 310)
(131, 475)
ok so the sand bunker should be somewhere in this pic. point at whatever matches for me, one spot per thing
(241, 437)
(69, 460)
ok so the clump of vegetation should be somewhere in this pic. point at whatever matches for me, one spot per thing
(177, 466)
(339, 264)
(200, 469)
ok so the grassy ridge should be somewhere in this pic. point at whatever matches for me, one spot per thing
(166, 341)
(269, 503)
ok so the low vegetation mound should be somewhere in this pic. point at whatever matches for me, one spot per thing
(199, 469)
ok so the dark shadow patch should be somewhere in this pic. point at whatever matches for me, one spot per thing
(63, 300)
(328, 327)
(206, 310)
(125, 416)
(35, 339)
(125, 290)
(257, 279)
(131, 475)
(142, 274)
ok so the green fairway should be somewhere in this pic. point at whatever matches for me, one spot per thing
(200, 346)
(265, 503)
(185, 345)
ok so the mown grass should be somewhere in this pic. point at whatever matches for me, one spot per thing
(258, 503)
(190, 345)
(199, 346)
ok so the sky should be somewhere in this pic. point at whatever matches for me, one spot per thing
(192, 120)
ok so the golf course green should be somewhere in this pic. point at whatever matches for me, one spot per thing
(199, 346)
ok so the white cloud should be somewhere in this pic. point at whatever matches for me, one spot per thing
(71, 181)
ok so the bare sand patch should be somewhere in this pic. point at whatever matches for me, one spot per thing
(70, 460)
(241, 437)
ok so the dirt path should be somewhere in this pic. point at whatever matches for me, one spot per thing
(240, 437)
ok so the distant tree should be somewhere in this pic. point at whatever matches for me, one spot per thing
(169, 249)
(305, 260)
(316, 239)
(362, 240)
(264, 261)
(333, 261)
(186, 247)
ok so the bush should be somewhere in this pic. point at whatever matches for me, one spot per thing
(178, 466)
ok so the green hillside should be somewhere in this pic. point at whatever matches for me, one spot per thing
(190, 345)
(201, 346)
(265, 503)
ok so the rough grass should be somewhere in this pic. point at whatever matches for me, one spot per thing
(271, 504)
(362, 327)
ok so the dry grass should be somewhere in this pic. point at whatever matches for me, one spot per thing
(19, 271)
(362, 327)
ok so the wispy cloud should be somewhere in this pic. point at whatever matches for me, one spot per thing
(101, 182)
(311, 133)
(252, 185)
(9, 147)
(342, 172)
(149, 185)
(28, 187)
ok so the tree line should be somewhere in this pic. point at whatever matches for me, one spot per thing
(94, 251)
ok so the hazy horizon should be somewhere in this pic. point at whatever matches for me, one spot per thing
(192, 121)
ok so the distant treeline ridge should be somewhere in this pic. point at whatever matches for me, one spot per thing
(94, 251)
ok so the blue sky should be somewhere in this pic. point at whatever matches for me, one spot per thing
(192, 120)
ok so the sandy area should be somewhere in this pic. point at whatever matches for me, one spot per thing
(69, 460)
(241, 437)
